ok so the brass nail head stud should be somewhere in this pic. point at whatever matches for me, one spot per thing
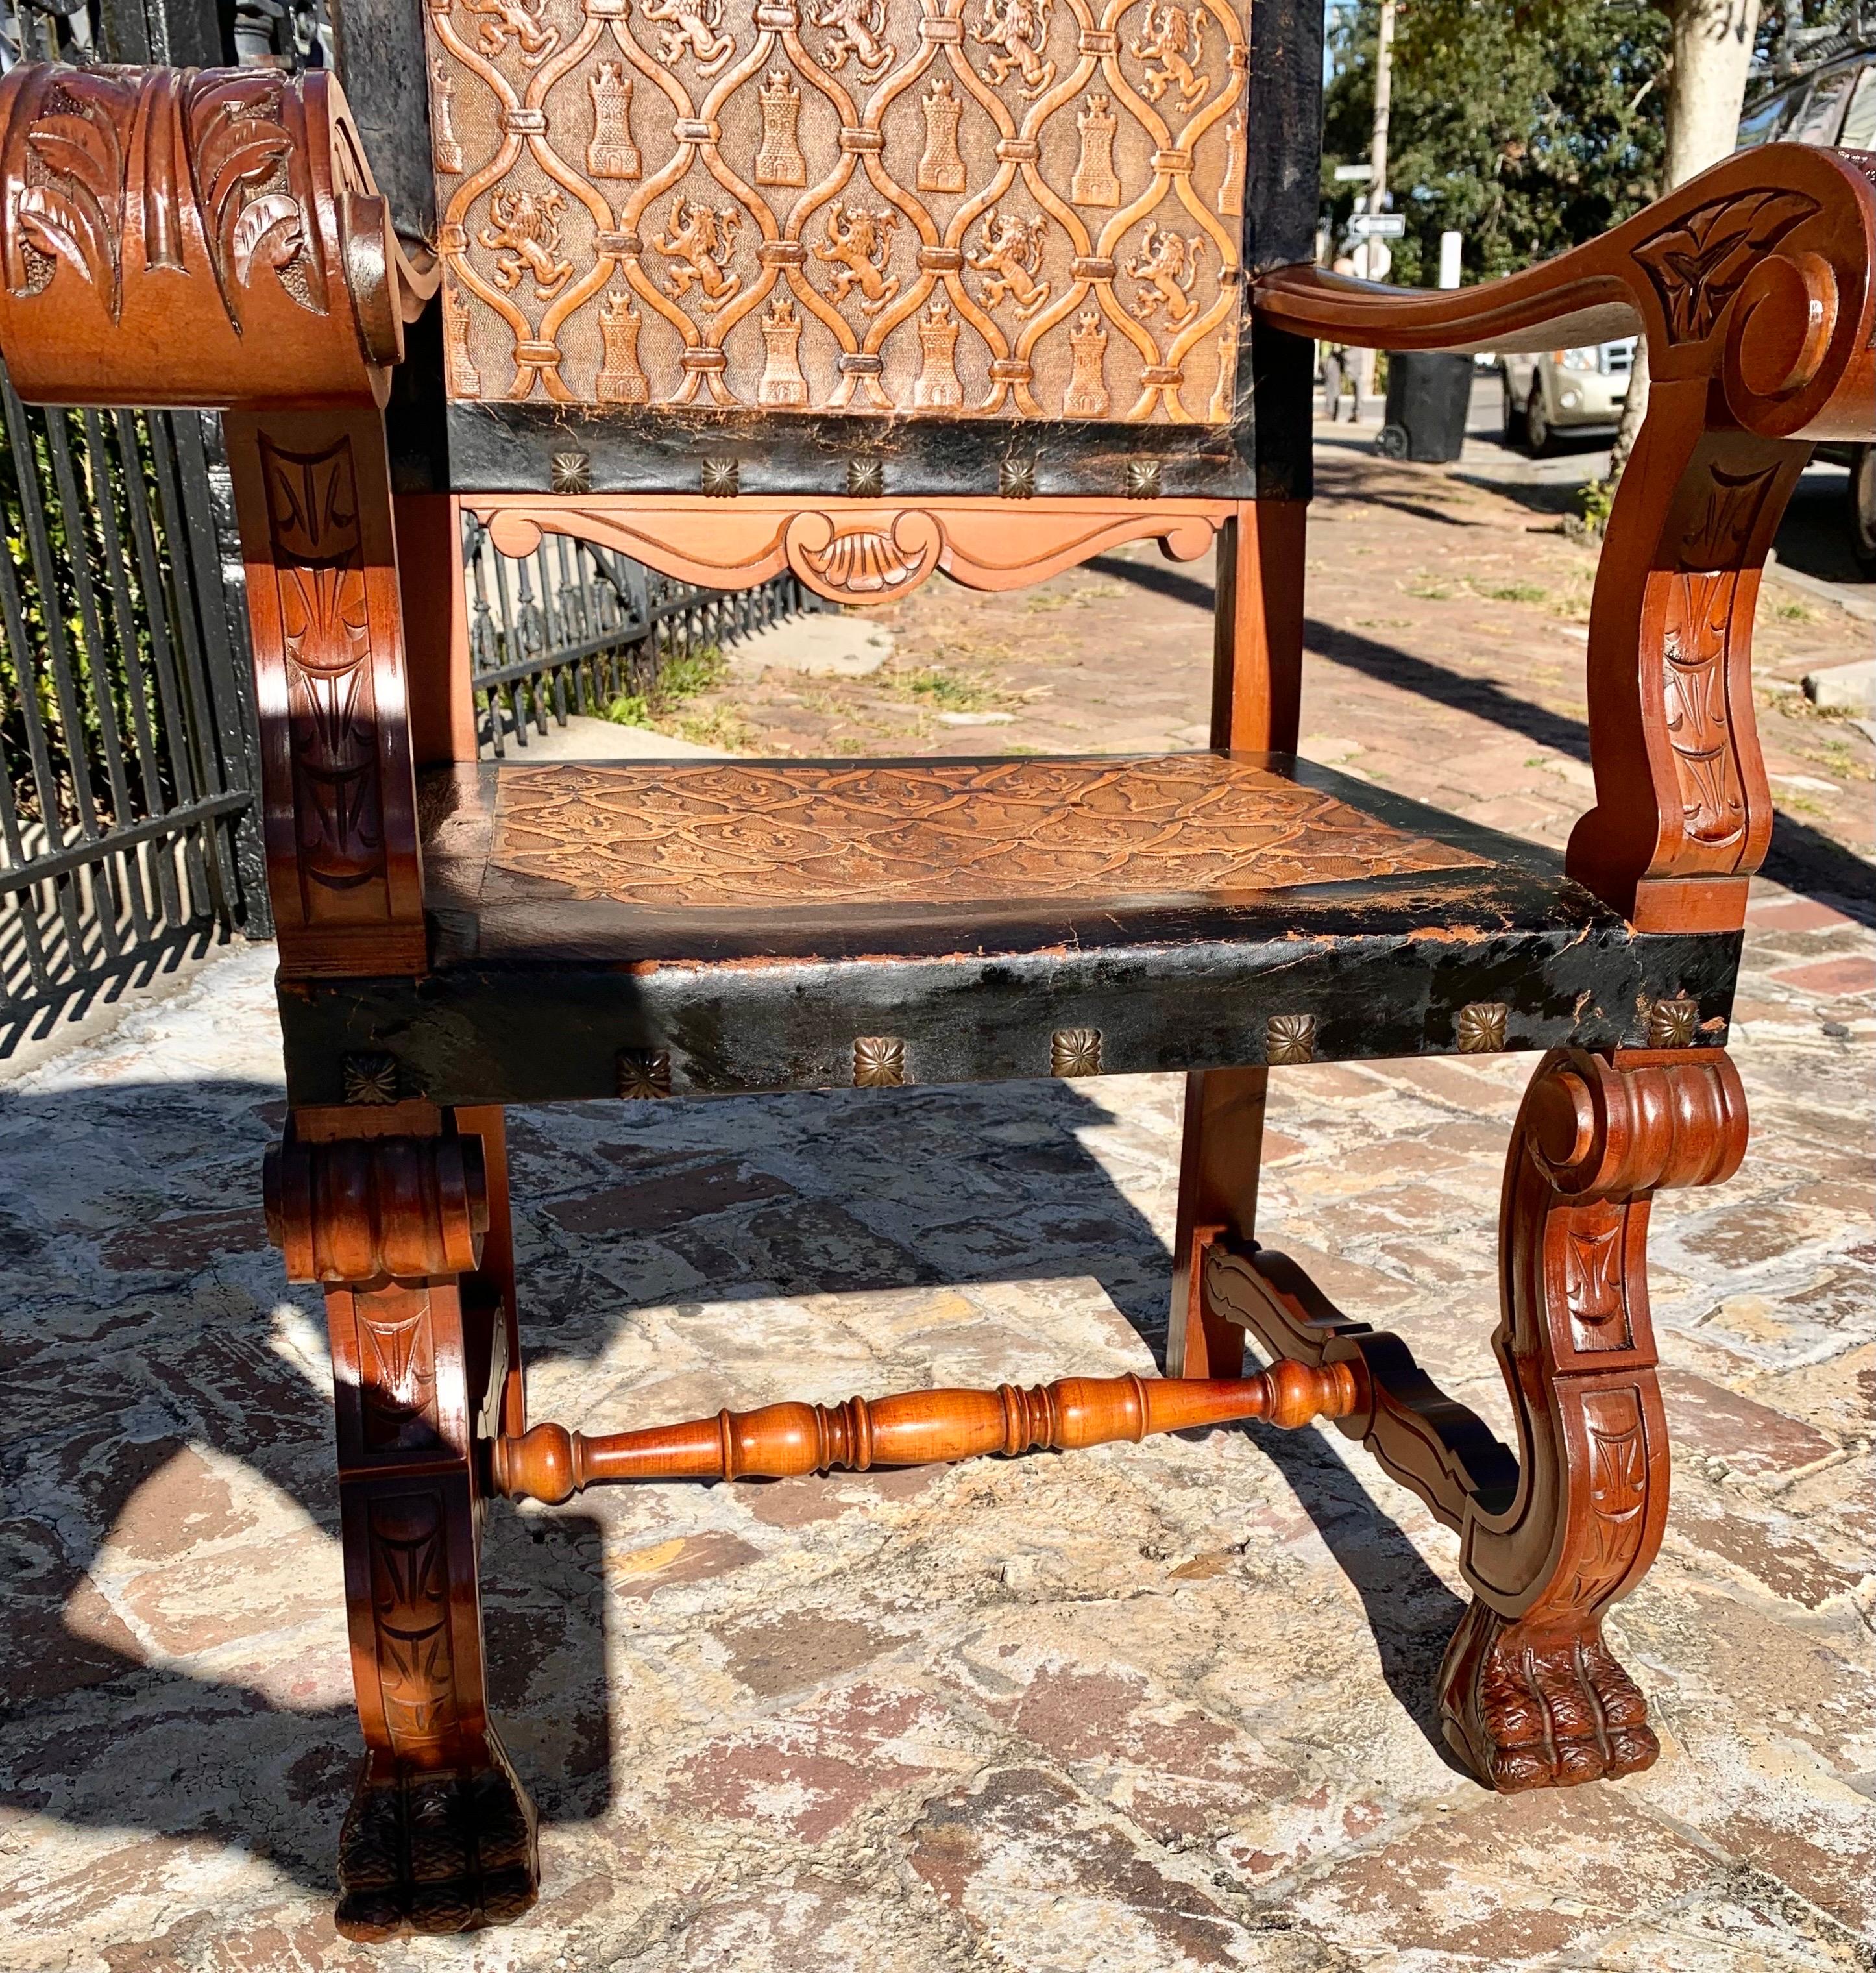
(879, 1062)
(369, 1079)
(1075, 1052)
(1289, 1037)
(644, 1073)
(1481, 1027)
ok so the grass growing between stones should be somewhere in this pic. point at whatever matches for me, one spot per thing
(665, 708)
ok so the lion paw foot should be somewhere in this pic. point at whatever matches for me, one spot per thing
(1530, 1708)
(443, 1850)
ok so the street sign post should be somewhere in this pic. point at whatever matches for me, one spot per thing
(1372, 260)
(1377, 225)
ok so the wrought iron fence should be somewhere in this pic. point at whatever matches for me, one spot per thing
(574, 628)
(129, 761)
(126, 724)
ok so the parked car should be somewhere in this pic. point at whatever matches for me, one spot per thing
(1833, 103)
(1862, 504)
(1565, 389)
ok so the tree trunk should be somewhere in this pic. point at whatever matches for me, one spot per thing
(1711, 43)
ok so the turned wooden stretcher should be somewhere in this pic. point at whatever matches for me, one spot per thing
(869, 294)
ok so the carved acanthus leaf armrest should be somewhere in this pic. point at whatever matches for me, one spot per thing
(194, 236)
(213, 237)
(1752, 284)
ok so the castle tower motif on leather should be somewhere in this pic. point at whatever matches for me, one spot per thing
(1087, 388)
(620, 380)
(782, 388)
(1094, 182)
(440, 1834)
(938, 388)
(455, 335)
(446, 152)
(1231, 178)
(611, 154)
(941, 164)
(779, 162)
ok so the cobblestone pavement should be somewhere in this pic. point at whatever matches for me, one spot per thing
(1163, 1706)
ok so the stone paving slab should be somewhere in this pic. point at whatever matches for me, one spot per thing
(1166, 1705)
(1156, 1706)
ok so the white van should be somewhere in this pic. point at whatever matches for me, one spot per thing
(1565, 389)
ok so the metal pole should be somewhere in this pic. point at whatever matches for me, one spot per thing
(1378, 184)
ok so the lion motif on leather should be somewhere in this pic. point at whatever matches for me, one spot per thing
(695, 28)
(856, 245)
(1016, 30)
(857, 26)
(1168, 264)
(524, 233)
(1010, 258)
(521, 18)
(701, 240)
(1174, 40)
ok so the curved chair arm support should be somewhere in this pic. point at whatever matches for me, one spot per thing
(207, 237)
(1753, 285)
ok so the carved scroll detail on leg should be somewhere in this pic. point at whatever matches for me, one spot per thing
(1530, 1694)
(358, 1210)
(440, 1836)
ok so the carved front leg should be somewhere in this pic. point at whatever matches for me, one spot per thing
(1530, 1694)
(440, 1835)
(1549, 1538)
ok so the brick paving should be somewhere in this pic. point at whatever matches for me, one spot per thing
(1163, 1705)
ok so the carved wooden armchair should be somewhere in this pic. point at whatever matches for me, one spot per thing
(867, 291)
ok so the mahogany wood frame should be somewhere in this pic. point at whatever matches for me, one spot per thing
(1753, 285)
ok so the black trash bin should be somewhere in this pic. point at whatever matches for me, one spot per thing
(1428, 394)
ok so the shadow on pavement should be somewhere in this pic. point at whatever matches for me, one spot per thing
(1801, 857)
(156, 1338)
(1814, 536)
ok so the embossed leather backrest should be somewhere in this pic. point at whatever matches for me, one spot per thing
(696, 216)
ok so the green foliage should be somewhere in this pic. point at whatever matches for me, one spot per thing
(685, 676)
(948, 692)
(59, 743)
(1527, 125)
(678, 679)
(1595, 499)
(629, 709)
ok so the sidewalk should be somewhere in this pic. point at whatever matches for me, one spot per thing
(1157, 1706)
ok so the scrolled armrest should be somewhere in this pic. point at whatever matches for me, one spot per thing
(1752, 284)
(194, 237)
(1756, 272)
